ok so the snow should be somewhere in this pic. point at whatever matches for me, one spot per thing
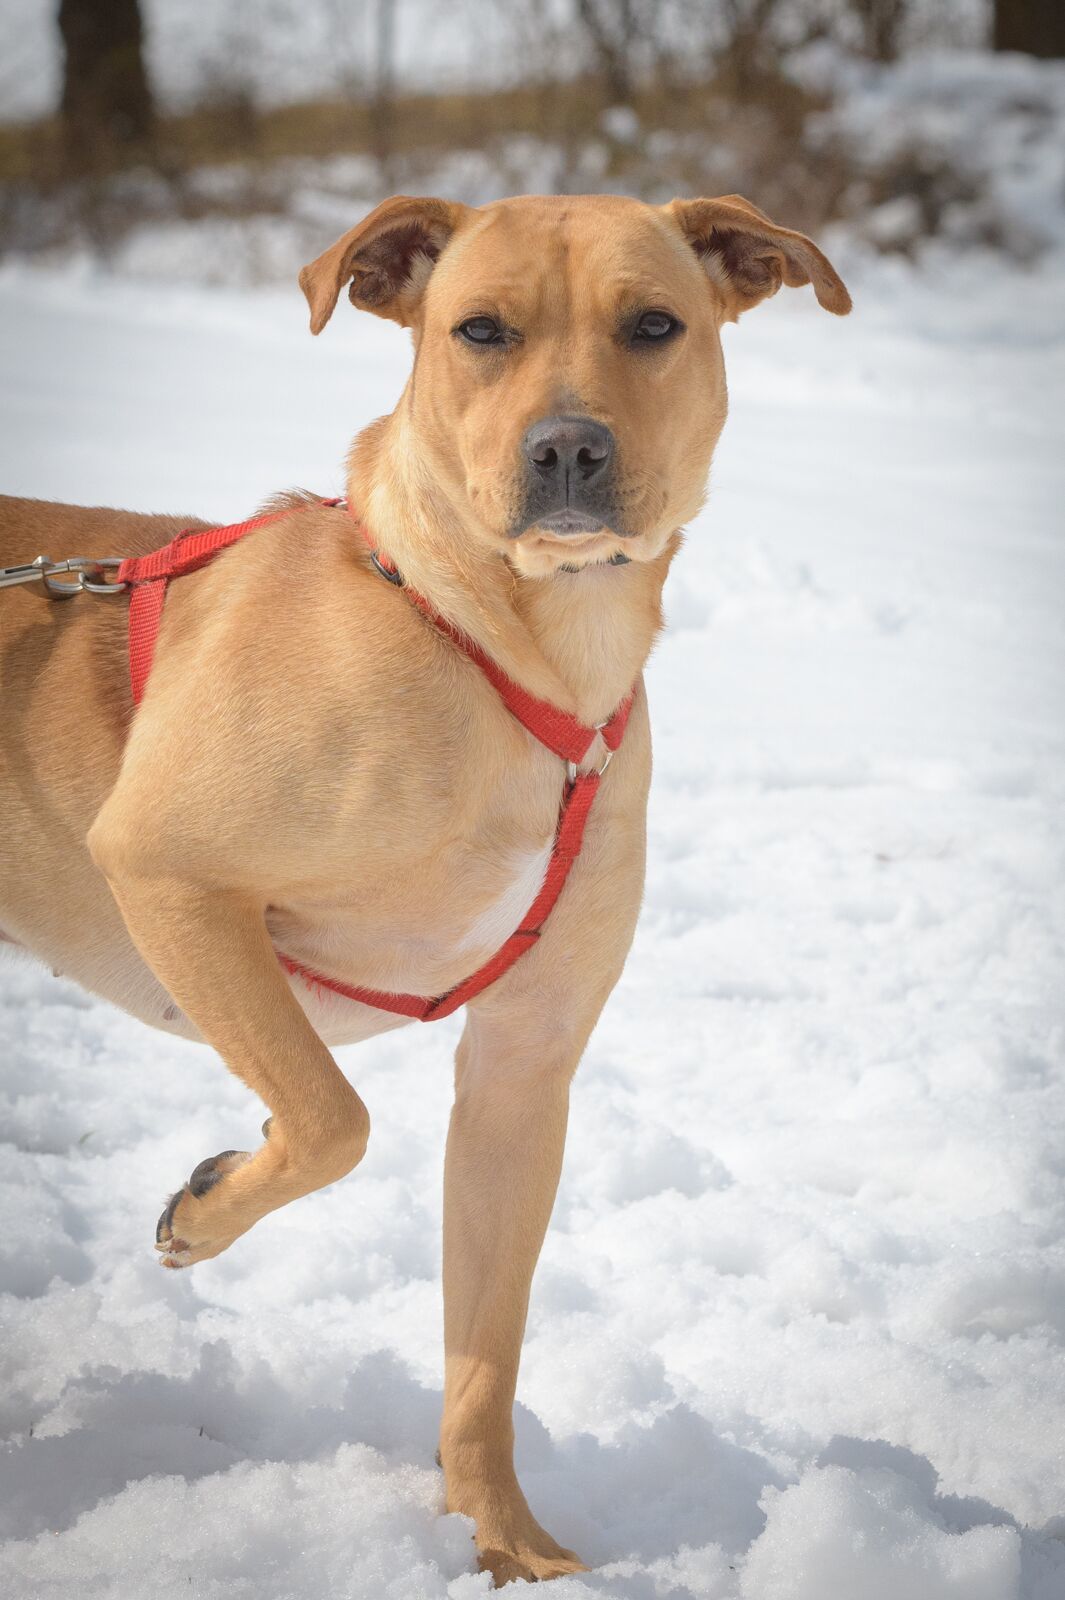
(964, 142)
(798, 1328)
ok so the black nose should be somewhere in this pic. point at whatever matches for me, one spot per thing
(568, 450)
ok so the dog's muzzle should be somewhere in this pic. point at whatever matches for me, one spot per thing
(569, 476)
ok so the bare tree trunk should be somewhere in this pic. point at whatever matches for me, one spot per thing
(611, 27)
(1035, 26)
(383, 101)
(107, 100)
(881, 22)
(750, 51)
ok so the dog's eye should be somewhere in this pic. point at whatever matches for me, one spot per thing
(654, 326)
(480, 330)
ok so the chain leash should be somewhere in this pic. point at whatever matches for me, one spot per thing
(88, 573)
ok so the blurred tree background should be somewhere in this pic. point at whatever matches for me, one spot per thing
(889, 115)
(107, 101)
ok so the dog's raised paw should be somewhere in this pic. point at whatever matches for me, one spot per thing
(175, 1251)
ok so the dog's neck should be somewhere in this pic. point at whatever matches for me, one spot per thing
(577, 639)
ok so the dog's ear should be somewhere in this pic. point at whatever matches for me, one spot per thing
(386, 260)
(748, 257)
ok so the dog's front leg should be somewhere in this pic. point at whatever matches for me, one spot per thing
(211, 951)
(504, 1155)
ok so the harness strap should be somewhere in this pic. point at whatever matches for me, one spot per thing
(563, 734)
(148, 576)
(559, 731)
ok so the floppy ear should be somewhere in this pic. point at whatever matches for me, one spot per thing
(748, 257)
(387, 258)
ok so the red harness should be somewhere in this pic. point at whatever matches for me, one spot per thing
(561, 733)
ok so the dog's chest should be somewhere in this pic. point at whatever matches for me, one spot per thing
(436, 922)
(489, 927)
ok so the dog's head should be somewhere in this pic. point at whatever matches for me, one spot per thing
(568, 386)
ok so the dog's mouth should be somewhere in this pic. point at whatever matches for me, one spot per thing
(577, 512)
(569, 522)
(567, 525)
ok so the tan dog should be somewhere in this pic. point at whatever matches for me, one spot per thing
(315, 768)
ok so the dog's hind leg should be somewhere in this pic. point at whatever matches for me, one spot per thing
(212, 952)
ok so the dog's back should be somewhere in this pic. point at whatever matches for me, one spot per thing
(30, 528)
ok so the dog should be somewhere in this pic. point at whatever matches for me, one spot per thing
(317, 766)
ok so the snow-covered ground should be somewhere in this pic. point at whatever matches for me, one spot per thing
(799, 1327)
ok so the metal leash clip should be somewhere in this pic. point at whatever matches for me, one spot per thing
(87, 571)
